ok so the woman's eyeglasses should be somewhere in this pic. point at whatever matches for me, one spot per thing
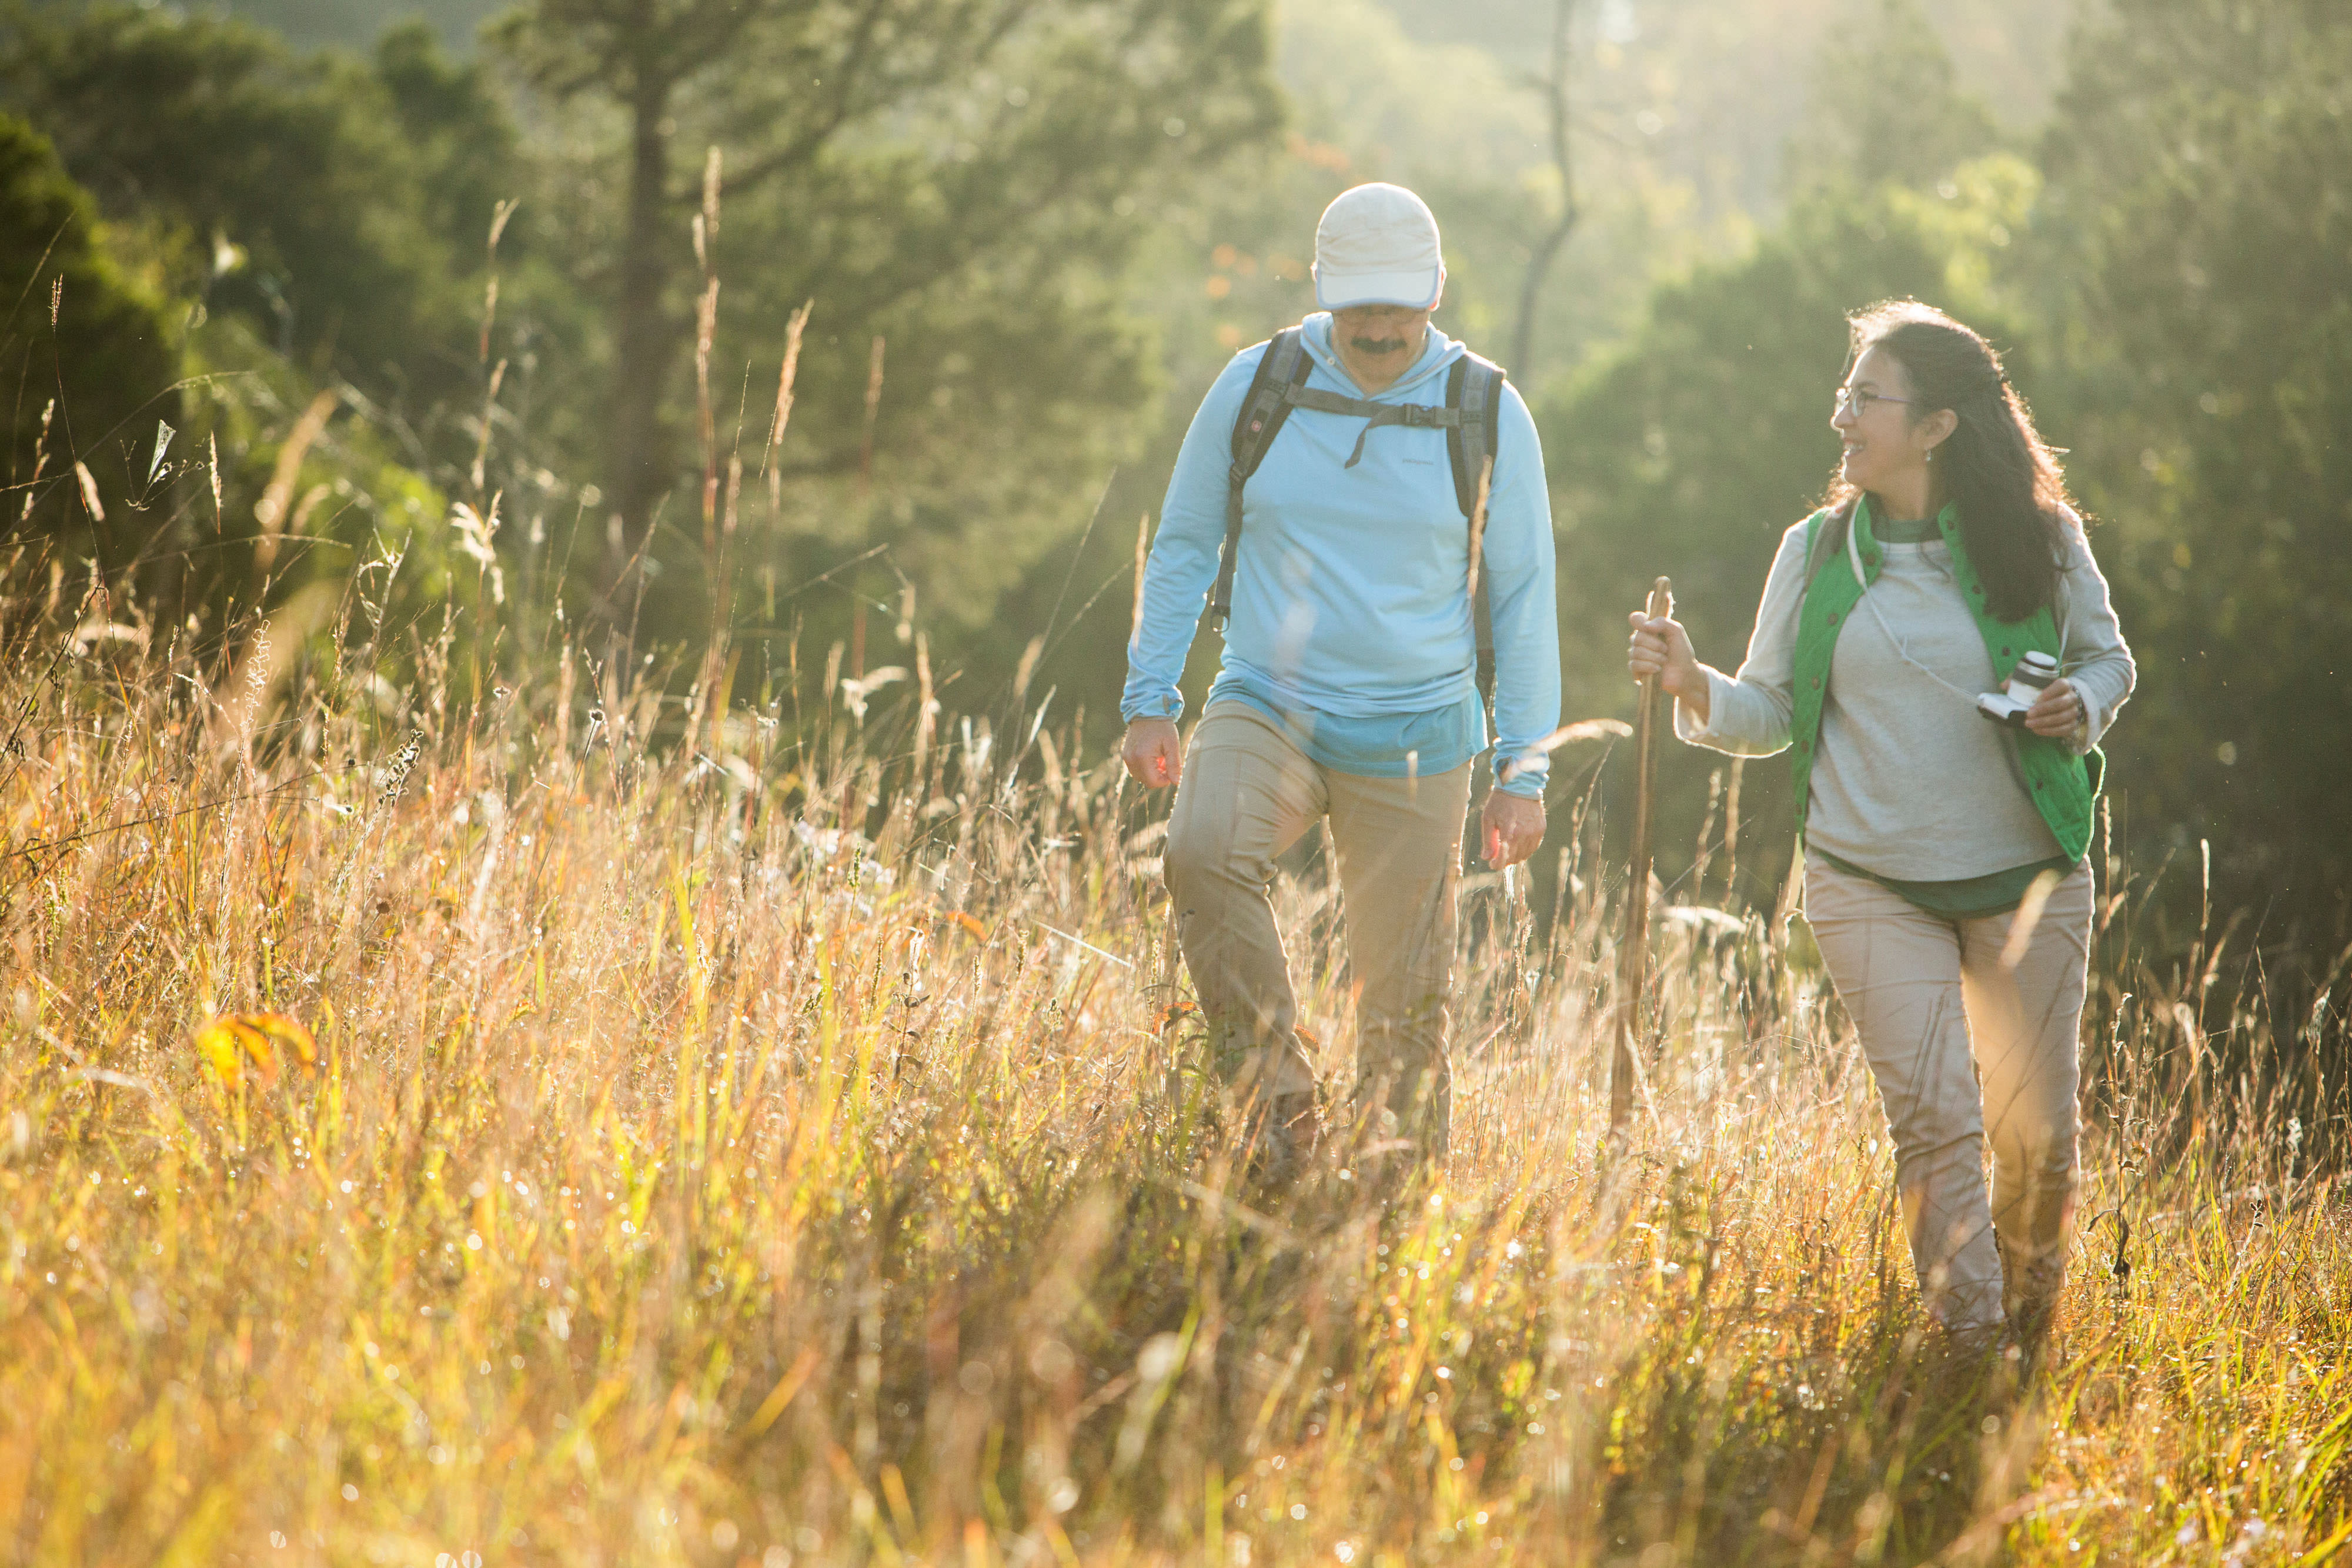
(1859, 399)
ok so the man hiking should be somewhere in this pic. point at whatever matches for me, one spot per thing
(1337, 494)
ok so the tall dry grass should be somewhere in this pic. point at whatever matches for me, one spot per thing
(736, 1152)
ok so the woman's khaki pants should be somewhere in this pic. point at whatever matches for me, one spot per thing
(1248, 793)
(1919, 988)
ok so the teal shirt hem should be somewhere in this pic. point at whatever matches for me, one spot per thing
(1376, 746)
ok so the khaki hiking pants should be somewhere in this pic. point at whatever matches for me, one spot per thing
(1248, 793)
(1920, 990)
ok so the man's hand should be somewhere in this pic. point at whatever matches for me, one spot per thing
(1514, 826)
(1152, 752)
(2058, 712)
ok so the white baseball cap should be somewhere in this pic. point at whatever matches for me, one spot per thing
(1376, 244)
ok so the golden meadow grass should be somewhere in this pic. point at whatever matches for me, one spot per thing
(687, 1179)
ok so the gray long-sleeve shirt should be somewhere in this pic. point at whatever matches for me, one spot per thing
(1908, 780)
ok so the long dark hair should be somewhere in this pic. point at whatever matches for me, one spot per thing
(2014, 512)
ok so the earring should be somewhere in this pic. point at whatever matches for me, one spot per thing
(1931, 454)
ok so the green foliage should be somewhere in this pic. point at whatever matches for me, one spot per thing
(993, 272)
(1050, 211)
(322, 223)
(2199, 243)
(1887, 104)
(351, 500)
(963, 181)
(322, 199)
(113, 361)
(311, 24)
(2175, 300)
(89, 348)
(455, 128)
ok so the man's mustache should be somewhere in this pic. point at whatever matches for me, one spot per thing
(1376, 345)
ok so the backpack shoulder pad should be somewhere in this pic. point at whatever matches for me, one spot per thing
(1474, 386)
(1283, 365)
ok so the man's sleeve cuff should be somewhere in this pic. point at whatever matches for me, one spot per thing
(1152, 707)
(1526, 783)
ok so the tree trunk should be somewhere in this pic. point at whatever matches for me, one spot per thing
(644, 337)
(1523, 335)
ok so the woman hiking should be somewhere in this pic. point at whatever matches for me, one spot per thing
(1945, 837)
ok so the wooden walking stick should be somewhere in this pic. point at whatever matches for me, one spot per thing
(1634, 957)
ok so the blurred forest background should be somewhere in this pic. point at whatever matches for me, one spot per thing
(484, 309)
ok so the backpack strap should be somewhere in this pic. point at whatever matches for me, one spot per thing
(1474, 392)
(1473, 389)
(1414, 415)
(1282, 372)
(1474, 395)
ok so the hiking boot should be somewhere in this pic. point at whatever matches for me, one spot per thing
(1968, 1344)
(1385, 1161)
(2032, 1313)
(1282, 1135)
(2032, 1292)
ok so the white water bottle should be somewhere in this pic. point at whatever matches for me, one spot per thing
(2009, 704)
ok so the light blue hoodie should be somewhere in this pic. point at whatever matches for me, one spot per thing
(1351, 620)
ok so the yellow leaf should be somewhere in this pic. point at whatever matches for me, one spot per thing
(217, 1043)
(227, 1042)
(256, 1045)
(287, 1032)
(970, 924)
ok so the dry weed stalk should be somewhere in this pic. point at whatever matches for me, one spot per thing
(819, 1171)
